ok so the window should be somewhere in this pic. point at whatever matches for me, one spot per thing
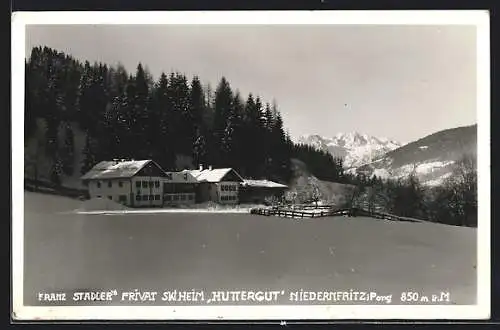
(157, 184)
(120, 184)
(98, 184)
(145, 197)
(144, 184)
(110, 184)
(110, 197)
(157, 197)
(190, 197)
(176, 197)
(183, 197)
(138, 198)
(99, 196)
(151, 197)
(168, 198)
(122, 198)
(138, 184)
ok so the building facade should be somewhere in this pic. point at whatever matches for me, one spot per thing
(261, 191)
(220, 185)
(179, 188)
(143, 183)
(139, 183)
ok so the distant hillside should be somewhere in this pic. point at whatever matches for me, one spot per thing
(432, 156)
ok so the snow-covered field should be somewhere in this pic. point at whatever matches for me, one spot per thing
(243, 209)
(216, 251)
(105, 206)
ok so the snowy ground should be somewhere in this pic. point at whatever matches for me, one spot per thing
(103, 206)
(241, 251)
(160, 211)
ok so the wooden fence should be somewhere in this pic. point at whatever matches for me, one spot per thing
(327, 211)
(290, 213)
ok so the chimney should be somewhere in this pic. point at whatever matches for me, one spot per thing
(210, 168)
(201, 167)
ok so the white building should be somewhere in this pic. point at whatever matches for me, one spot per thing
(219, 185)
(138, 183)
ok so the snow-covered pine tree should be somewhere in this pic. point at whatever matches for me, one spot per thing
(232, 140)
(200, 151)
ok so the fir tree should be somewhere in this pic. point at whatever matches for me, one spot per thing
(88, 155)
(68, 151)
(223, 105)
(197, 104)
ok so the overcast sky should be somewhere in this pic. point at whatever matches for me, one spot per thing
(400, 82)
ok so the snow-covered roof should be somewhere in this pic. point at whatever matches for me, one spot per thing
(263, 184)
(213, 175)
(115, 169)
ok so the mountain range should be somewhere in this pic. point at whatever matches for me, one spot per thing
(356, 149)
(432, 157)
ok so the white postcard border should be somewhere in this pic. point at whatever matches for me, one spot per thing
(479, 311)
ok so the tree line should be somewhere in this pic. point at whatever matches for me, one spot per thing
(132, 116)
(454, 202)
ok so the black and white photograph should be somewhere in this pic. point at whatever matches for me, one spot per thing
(251, 165)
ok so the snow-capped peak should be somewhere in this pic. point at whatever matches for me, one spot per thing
(355, 148)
